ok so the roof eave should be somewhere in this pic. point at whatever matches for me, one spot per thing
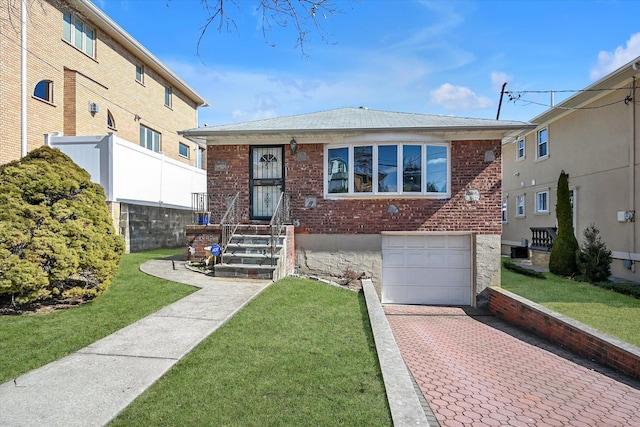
(120, 35)
(199, 132)
(613, 79)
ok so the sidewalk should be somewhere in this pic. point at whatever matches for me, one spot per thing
(91, 386)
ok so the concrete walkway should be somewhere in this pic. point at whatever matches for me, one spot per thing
(91, 386)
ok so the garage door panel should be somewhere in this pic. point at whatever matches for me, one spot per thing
(458, 260)
(394, 242)
(439, 295)
(436, 241)
(393, 259)
(459, 242)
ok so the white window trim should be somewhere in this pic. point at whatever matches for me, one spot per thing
(180, 145)
(168, 100)
(524, 205)
(382, 195)
(146, 144)
(524, 149)
(538, 156)
(141, 81)
(537, 209)
(504, 210)
(85, 26)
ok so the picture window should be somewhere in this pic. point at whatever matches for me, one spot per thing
(380, 169)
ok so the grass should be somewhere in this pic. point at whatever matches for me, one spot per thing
(301, 353)
(605, 310)
(30, 341)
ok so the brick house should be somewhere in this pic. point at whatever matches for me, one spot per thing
(77, 81)
(411, 200)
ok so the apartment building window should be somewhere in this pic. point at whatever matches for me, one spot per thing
(79, 34)
(111, 123)
(520, 205)
(505, 217)
(167, 96)
(44, 90)
(542, 201)
(520, 151)
(150, 139)
(199, 156)
(183, 150)
(543, 143)
(140, 73)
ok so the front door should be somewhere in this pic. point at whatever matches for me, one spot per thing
(266, 180)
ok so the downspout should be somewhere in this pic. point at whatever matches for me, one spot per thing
(632, 172)
(23, 78)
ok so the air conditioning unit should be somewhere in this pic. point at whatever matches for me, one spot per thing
(93, 108)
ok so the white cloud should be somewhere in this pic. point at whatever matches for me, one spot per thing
(459, 98)
(498, 79)
(611, 61)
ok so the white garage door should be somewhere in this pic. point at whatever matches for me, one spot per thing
(426, 269)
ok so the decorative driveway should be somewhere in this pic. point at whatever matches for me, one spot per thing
(475, 370)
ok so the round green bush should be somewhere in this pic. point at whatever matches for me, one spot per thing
(57, 239)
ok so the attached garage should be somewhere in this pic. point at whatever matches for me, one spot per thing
(427, 269)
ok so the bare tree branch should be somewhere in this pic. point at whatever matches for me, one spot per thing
(303, 15)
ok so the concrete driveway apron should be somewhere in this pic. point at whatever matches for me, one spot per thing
(475, 370)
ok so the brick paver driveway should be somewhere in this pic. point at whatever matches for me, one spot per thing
(475, 370)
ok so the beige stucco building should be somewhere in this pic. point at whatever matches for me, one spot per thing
(594, 136)
(72, 78)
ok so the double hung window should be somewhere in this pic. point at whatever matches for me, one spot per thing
(150, 139)
(505, 217)
(542, 201)
(168, 92)
(79, 34)
(520, 203)
(543, 143)
(521, 151)
(388, 169)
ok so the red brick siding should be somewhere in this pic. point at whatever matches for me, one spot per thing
(200, 236)
(563, 333)
(354, 216)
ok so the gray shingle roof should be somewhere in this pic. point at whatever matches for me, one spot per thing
(349, 119)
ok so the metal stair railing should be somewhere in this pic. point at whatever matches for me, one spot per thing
(281, 216)
(229, 223)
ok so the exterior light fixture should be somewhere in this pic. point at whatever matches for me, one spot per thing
(294, 147)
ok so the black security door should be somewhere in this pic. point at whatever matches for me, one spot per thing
(266, 180)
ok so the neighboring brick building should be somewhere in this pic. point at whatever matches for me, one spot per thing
(411, 200)
(84, 76)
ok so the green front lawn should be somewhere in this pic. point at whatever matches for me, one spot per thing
(301, 353)
(607, 311)
(30, 341)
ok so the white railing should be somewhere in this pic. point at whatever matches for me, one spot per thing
(131, 173)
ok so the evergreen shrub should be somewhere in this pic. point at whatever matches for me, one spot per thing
(594, 259)
(562, 260)
(57, 239)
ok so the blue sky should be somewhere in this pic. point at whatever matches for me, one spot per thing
(433, 57)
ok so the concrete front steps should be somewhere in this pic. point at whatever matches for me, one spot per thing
(249, 254)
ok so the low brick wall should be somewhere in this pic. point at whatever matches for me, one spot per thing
(565, 331)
